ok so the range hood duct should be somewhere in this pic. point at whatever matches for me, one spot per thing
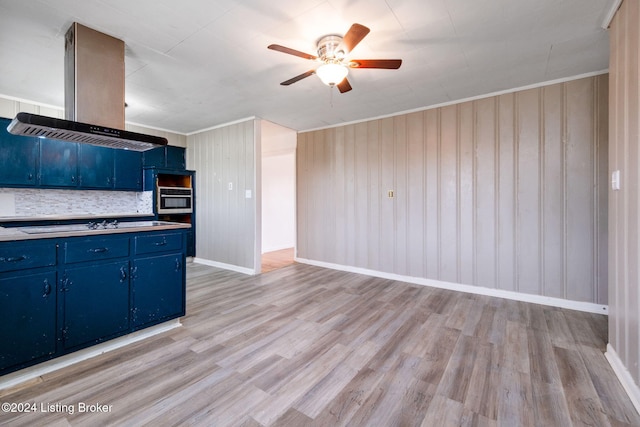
(94, 97)
(48, 127)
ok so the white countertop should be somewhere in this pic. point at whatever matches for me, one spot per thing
(8, 234)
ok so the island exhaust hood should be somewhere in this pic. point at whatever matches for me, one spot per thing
(48, 127)
(94, 97)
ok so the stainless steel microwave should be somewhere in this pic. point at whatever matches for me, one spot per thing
(175, 200)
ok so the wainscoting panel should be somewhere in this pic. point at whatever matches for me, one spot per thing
(506, 192)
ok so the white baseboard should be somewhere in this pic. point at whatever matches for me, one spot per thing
(222, 265)
(32, 372)
(623, 374)
(517, 296)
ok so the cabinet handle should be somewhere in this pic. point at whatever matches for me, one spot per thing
(73, 179)
(134, 272)
(163, 243)
(123, 274)
(13, 258)
(47, 288)
(30, 177)
(178, 265)
(98, 250)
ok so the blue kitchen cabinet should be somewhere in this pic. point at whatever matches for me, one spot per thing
(156, 290)
(175, 157)
(154, 158)
(18, 158)
(28, 327)
(96, 302)
(60, 295)
(95, 166)
(157, 274)
(58, 163)
(167, 157)
(27, 302)
(128, 170)
(95, 287)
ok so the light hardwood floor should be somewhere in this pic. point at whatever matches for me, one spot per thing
(277, 259)
(306, 346)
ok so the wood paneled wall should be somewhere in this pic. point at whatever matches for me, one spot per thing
(507, 192)
(624, 208)
(226, 218)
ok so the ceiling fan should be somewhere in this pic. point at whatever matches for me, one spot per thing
(332, 52)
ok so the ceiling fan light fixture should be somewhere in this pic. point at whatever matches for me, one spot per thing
(331, 74)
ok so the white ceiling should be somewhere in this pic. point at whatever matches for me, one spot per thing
(194, 64)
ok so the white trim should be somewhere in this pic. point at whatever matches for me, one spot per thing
(458, 101)
(223, 125)
(222, 265)
(610, 12)
(30, 373)
(479, 290)
(624, 376)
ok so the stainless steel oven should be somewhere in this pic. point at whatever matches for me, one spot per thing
(175, 200)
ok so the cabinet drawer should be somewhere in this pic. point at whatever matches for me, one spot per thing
(19, 257)
(95, 249)
(158, 243)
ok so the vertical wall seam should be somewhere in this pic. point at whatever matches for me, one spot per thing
(458, 193)
(474, 186)
(541, 192)
(516, 183)
(425, 197)
(439, 190)
(595, 191)
(565, 218)
(496, 183)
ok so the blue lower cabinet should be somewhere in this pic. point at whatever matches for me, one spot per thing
(157, 294)
(96, 303)
(60, 295)
(28, 326)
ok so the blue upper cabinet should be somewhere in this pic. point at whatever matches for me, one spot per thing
(18, 158)
(95, 166)
(128, 170)
(169, 157)
(58, 163)
(175, 157)
(51, 163)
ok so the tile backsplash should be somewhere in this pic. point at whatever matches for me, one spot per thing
(28, 202)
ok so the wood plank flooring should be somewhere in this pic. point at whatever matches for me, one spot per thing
(276, 259)
(306, 346)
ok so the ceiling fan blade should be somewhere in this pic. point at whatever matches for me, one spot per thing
(299, 77)
(354, 36)
(290, 51)
(344, 86)
(389, 64)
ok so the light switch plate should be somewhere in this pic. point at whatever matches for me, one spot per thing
(615, 180)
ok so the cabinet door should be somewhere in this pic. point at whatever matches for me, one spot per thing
(28, 326)
(58, 163)
(175, 157)
(154, 158)
(18, 157)
(128, 170)
(96, 302)
(95, 166)
(157, 287)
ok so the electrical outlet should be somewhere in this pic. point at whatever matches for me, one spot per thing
(390, 194)
(230, 186)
